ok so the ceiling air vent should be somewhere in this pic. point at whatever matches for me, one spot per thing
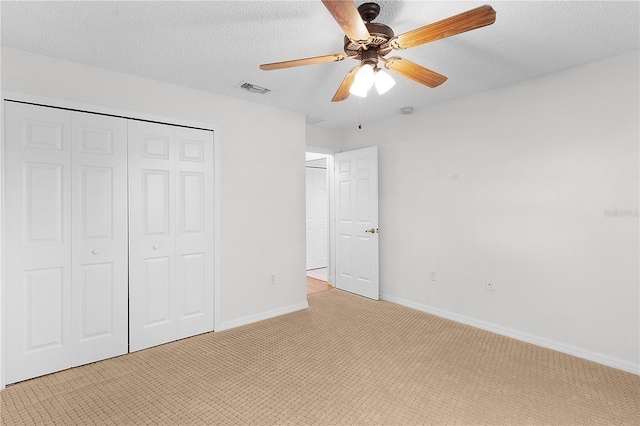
(252, 88)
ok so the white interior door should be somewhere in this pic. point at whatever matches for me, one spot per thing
(317, 208)
(66, 239)
(66, 233)
(152, 275)
(38, 240)
(356, 179)
(194, 231)
(171, 233)
(100, 240)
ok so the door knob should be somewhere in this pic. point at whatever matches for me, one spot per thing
(95, 251)
(372, 230)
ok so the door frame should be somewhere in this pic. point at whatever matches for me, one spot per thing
(6, 95)
(331, 240)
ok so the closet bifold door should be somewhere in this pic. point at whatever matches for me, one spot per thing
(170, 233)
(37, 241)
(65, 180)
(100, 237)
(194, 231)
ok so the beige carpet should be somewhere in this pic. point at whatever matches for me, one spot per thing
(345, 360)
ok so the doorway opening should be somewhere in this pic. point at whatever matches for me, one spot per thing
(318, 216)
(342, 218)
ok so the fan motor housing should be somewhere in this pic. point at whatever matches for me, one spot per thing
(380, 35)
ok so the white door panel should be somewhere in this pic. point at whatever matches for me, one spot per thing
(156, 290)
(67, 265)
(317, 207)
(356, 177)
(171, 233)
(194, 232)
(100, 237)
(38, 240)
(151, 235)
(68, 253)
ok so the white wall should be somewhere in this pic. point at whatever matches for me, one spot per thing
(260, 169)
(327, 139)
(514, 184)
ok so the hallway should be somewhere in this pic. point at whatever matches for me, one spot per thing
(317, 280)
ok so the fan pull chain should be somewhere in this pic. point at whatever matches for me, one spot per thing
(359, 113)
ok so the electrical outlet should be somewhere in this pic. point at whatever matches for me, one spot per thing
(432, 276)
(488, 284)
(272, 279)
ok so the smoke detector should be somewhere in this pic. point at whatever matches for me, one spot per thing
(406, 110)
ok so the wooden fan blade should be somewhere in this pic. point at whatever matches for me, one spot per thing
(305, 61)
(466, 21)
(347, 16)
(414, 71)
(343, 91)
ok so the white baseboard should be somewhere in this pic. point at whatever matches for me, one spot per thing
(225, 325)
(518, 335)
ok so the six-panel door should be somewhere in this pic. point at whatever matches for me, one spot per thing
(356, 178)
(66, 276)
(171, 233)
(67, 239)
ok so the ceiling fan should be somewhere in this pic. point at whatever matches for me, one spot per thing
(370, 43)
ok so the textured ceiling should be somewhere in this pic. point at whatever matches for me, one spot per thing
(216, 45)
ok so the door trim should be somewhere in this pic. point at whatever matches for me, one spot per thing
(6, 95)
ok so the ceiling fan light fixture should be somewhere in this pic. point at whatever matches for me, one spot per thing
(369, 43)
(383, 81)
(363, 81)
(360, 90)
